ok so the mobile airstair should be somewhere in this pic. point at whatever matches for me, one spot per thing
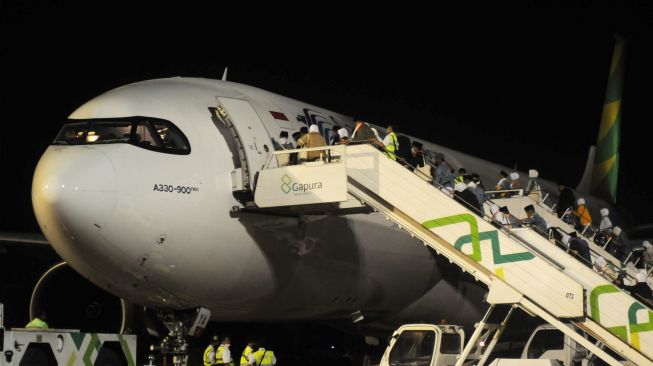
(518, 201)
(519, 266)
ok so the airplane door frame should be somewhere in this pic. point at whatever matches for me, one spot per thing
(252, 139)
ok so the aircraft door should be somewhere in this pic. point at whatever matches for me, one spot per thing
(252, 139)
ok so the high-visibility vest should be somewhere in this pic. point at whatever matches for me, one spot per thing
(219, 359)
(263, 357)
(207, 358)
(37, 323)
(244, 358)
(393, 147)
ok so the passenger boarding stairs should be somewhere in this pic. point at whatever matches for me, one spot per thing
(519, 266)
(518, 201)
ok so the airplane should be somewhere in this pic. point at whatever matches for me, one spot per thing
(144, 193)
(147, 193)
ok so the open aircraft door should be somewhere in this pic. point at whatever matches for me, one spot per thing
(251, 137)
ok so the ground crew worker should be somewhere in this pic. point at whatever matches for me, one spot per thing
(38, 322)
(247, 358)
(264, 357)
(223, 353)
(209, 352)
(390, 143)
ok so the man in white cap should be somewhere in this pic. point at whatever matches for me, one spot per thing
(533, 189)
(581, 214)
(344, 136)
(514, 181)
(641, 288)
(312, 139)
(606, 224)
(619, 246)
(648, 254)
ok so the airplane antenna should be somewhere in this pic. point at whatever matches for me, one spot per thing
(224, 74)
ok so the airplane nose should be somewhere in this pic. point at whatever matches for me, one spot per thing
(74, 191)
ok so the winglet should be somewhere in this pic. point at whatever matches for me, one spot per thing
(224, 74)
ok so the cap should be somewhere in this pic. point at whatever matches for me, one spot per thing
(604, 212)
(581, 201)
(343, 132)
(616, 230)
(514, 176)
(313, 128)
(533, 173)
(646, 244)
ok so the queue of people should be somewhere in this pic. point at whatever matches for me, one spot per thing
(468, 190)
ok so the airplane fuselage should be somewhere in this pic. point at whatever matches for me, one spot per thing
(158, 228)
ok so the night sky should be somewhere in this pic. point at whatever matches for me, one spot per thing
(519, 85)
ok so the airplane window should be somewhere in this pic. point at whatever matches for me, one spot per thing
(170, 136)
(108, 132)
(148, 133)
(71, 134)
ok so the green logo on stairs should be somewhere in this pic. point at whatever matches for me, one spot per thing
(285, 183)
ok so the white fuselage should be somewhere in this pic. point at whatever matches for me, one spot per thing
(158, 229)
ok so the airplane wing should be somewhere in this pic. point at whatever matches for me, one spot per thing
(29, 238)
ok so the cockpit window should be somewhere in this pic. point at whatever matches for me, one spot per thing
(145, 132)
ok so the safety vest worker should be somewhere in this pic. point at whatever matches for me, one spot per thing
(37, 324)
(391, 143)
(263, 357)
(223, 354)
(209, 352)
(245, 357)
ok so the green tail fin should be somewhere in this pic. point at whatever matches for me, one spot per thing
(606, 164)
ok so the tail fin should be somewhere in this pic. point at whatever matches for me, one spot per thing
(606, 156)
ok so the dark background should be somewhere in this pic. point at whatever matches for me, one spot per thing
(521, 84)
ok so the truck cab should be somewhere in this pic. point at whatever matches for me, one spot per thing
(424, 345)
(547, 342)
